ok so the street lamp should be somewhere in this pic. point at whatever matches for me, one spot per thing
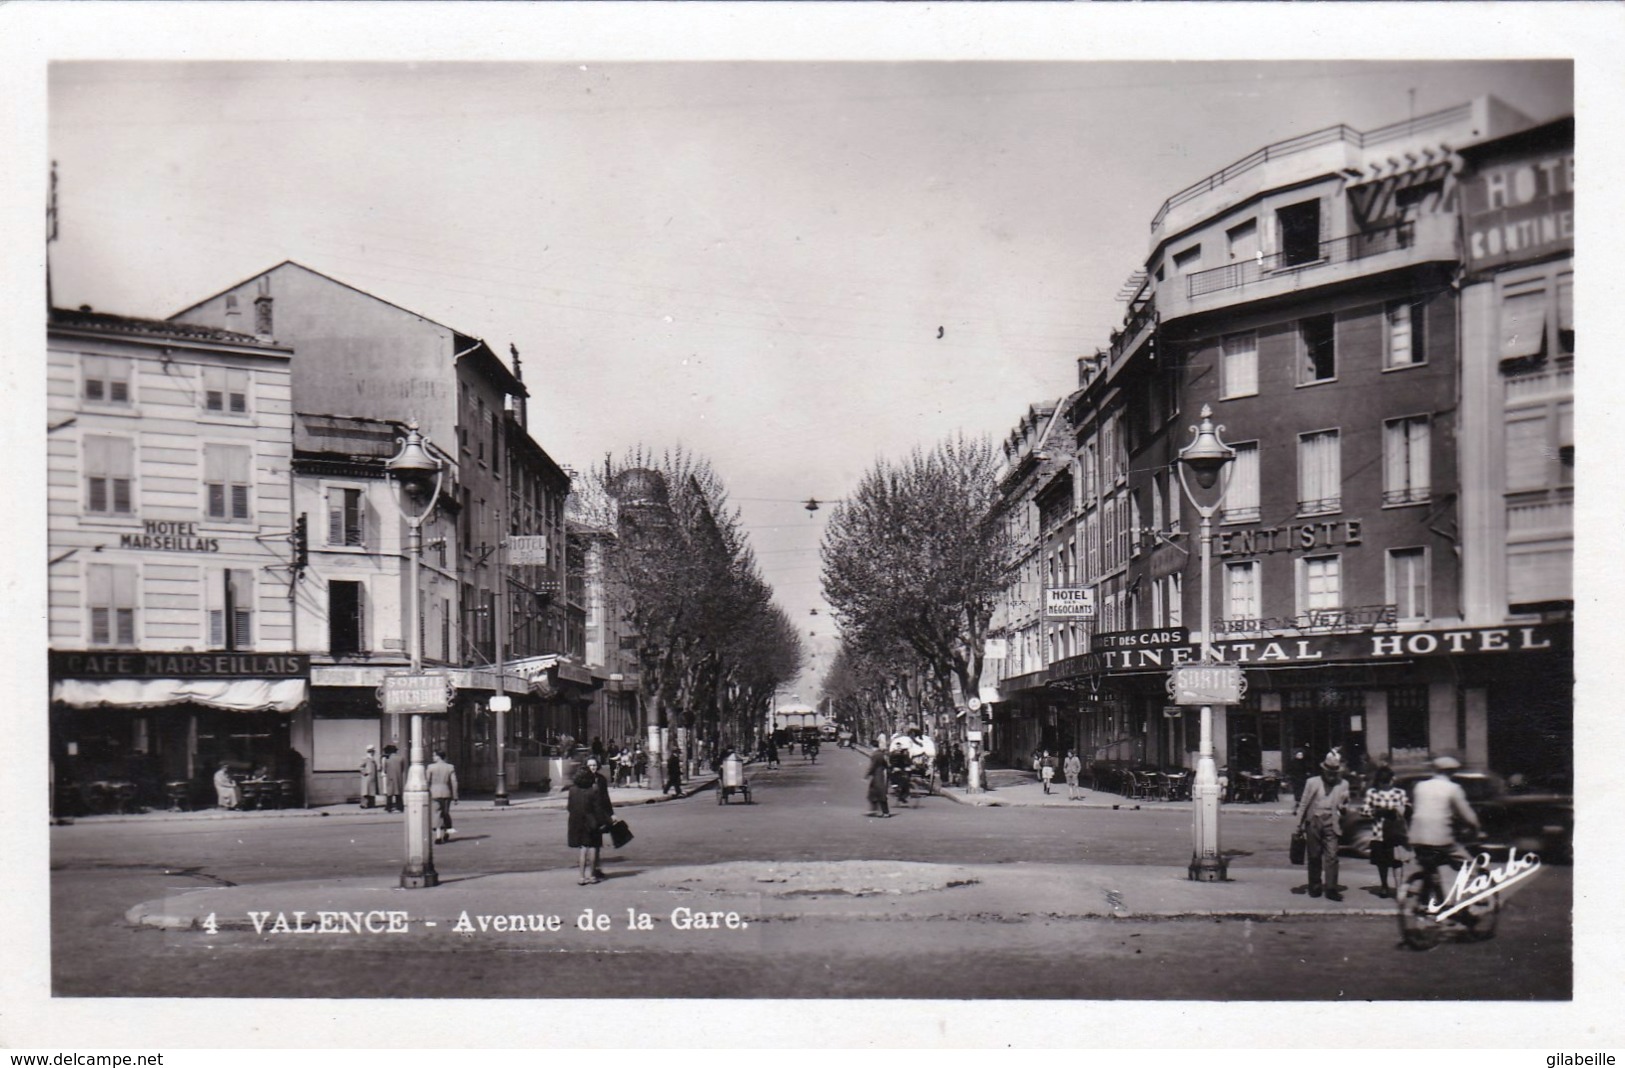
(1206, 458)
(416, 474)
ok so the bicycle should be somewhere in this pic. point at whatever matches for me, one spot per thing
(1430, 914)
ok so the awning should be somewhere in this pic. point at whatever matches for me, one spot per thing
(543, 671)
(232, 695)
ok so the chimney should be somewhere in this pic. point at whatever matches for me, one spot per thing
(262, 316)
(233, 313)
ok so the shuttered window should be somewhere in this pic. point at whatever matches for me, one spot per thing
(1320, 479)
(226, 481)
(110, 596)
(108, 463)
(1406, 460)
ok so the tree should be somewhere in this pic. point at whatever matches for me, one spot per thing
(711, 647)
(916, 557)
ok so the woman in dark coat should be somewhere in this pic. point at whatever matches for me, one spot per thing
(590, 813)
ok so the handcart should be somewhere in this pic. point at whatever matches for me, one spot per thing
(732, 780)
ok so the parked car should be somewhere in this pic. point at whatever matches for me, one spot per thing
(1534, 822)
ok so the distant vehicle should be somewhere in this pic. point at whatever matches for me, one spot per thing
(1532, 822)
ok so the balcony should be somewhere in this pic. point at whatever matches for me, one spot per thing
(1430, 238)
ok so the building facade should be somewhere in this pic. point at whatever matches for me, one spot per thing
(362, 358)
(1516, 196)
(1311, 295)
(171, 584)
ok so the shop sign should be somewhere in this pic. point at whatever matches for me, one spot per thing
(1329, 648)
(1069, 602)
(90, 665)
(423, 693)
(527, 549)
(1140, 639)
(168, 536)
(1290, 537)
(1206, 684)
(1519, 210)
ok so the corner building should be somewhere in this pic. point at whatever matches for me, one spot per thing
(1310, 295)
(170, 579)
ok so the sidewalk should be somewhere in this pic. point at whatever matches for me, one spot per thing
(520, 799)
(1016, 788)
(762, 891)
(1031, 793)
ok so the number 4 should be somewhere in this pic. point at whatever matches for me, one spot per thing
(209, 925)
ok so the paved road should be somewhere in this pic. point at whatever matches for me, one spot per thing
(989, 943)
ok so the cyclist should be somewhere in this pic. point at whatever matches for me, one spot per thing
(1437, 804)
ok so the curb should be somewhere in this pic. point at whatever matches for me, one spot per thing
(346, 810)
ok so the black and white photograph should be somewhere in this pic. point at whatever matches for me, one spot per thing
(1000, 522)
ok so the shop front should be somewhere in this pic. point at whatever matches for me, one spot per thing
(1499, 698)
(133, 729)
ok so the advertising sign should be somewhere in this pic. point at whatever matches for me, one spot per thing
(1140, 639)
(1519, 210)
(425, 693)
(1069, 602)
(525, 549)
(1206, 684)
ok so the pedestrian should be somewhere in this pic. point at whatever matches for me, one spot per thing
(959, 764)
(1320, 819)
(945, 765)
(369, 776)
(1072, 769)
(227, 792)
(597, 747)
(443, 792)
(772, 752)
(394, 779)
(623, 767)
(1038, 762)
(589, 813)
(640, 766)
(1386, 805)
(603, 805)
(877, 773)
(674, 774)
(1046, 769)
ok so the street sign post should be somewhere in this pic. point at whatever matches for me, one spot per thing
(426, 693)
(1206, 684)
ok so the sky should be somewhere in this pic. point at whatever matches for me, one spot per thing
(793, 269)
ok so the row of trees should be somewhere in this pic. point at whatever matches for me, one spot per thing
(711, 646)
(914, 562)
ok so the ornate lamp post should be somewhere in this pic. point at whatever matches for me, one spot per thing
(1206, 458)
(417, 474)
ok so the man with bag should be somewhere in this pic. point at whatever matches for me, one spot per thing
(1320, 821)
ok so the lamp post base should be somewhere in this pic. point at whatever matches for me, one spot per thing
(500, 802)
(419, 880)
(1209, 869)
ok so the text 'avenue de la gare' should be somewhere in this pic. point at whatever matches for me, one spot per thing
(1339, 647)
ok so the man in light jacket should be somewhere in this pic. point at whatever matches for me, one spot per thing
(369, 776)
(1320, 820)
(443, 792)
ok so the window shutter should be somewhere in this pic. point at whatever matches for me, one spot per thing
(214, 600)
(1418, 440)
(335, 517)
(361, 616)
(1523, 326)
(239, 502)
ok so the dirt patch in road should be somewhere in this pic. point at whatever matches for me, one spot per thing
(851, 878)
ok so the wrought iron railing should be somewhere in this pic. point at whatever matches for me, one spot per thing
(1357, 246)
(1303, 142)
